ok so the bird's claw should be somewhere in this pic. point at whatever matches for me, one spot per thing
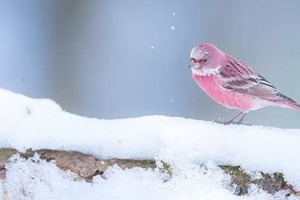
(231, 123)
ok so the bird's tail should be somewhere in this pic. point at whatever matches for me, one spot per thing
(293, 105)
(287, 102)
(290, 104)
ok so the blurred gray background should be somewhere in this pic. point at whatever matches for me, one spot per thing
(126, 58)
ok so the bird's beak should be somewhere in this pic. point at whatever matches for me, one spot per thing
(191, 64)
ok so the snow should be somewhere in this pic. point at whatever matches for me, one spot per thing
(172, 26)
(193, 148)
(45, 181)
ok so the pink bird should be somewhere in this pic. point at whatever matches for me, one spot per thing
(232, 83)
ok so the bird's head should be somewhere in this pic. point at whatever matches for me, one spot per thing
(205, 59)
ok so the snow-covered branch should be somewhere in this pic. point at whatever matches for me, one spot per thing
(194, 149)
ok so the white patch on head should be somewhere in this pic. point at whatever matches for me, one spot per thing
(206, 71)
(197, 53)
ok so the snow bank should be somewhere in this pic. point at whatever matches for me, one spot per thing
(184, 143)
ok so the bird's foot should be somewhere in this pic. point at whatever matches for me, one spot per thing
(231, 123)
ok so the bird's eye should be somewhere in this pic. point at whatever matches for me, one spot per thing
(204, 60)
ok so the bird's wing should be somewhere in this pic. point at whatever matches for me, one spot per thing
(238, 77)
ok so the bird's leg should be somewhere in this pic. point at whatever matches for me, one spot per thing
(242, 118)
(236, 116)
(232, 120)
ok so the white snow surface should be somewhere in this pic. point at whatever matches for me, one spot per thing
(193, 148)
